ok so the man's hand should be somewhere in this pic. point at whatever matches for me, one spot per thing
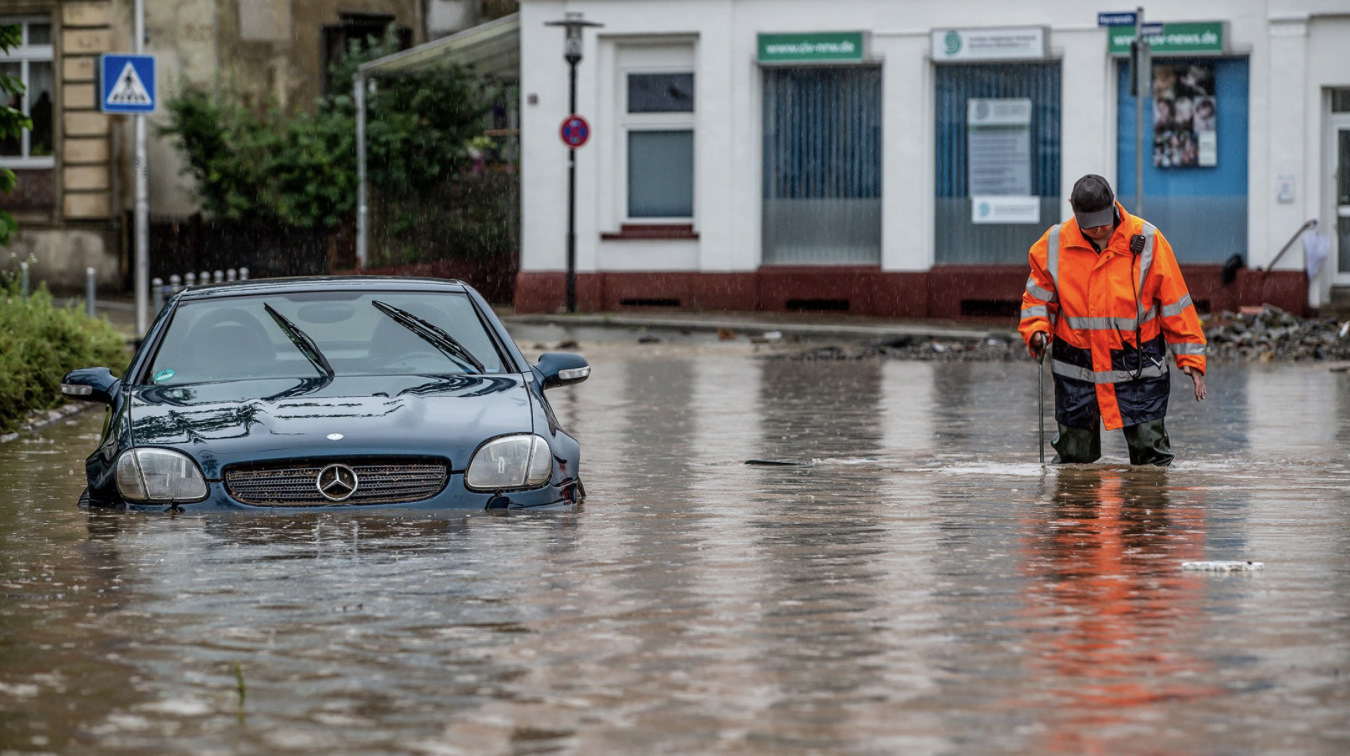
(1198, 378)
(1037, 344)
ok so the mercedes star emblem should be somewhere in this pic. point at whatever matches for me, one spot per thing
(337, 482)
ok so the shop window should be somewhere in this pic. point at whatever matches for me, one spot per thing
(822, 165)
(31, 63)
(659, 124)
(998, 160)
(1195, 154)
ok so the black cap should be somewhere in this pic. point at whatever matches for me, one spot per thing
(1094, 204)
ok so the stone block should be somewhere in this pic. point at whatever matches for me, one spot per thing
(86, 14)
(85, 124)
(84, 205)
(84, 150)
(80, 97)
(86, 41)
(79, 68)
(86, 177)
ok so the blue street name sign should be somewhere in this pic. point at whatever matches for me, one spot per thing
(126, 83)
(1119, 18)
(1151, 30)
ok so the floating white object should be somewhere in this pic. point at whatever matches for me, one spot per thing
(1240, 566)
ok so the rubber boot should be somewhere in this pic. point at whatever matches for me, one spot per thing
(1077, 444)
(1149, 444)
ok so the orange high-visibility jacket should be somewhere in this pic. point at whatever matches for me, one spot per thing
(1113, 317)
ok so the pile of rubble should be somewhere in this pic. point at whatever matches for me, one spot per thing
(1267, 334)
(1270, 334)
(994, 347)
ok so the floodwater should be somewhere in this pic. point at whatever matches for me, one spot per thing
(920, 585)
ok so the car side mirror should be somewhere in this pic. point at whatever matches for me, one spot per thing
(561, 369)
(89, 385)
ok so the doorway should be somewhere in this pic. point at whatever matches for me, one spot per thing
(1340, 176)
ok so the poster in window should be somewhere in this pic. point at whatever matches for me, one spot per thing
(1185, 132)
(998, 143)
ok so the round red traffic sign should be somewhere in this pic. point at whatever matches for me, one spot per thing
(575, 131)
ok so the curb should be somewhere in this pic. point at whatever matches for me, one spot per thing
(43, 418)
(714, 323)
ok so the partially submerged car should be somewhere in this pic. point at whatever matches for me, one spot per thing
(331, 393)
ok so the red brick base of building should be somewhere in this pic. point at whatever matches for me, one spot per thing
(946, 292)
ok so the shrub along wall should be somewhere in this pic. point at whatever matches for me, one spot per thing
(39, 343)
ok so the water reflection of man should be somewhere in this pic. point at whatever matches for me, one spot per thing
(1109, 609)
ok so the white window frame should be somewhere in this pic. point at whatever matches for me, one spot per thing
(26, 54)
(666, 58)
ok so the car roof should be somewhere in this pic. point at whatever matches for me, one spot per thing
(321, 283)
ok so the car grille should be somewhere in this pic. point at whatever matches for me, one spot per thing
(291, 484)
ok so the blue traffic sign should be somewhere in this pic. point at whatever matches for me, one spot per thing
(1154, 29)
(1119, 18)
(126, 83)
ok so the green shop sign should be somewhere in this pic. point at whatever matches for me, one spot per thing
(816, 47)
(1176, 39)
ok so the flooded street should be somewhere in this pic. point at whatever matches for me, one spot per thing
(913, 583)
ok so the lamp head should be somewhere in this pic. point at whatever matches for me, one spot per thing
(573, 24)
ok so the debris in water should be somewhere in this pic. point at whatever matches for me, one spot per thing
(775, 462)
(1235, 566)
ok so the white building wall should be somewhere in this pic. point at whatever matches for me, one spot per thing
(1296, 49)
(907, 151)
(1328, 62)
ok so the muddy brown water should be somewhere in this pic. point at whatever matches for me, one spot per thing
(919, 586)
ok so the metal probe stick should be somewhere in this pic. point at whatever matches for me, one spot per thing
(1040, 372)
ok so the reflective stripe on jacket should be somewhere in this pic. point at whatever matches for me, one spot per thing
(1094, 304)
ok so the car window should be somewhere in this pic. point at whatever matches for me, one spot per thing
(237, 338)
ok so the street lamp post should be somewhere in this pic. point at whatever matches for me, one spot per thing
(574, 25)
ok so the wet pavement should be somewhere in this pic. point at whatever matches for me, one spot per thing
(914, 582)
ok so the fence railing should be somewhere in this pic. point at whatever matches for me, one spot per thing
(159, 290)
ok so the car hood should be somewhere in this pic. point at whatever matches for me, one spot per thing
(223, 423)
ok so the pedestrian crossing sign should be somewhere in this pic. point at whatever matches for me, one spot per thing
(127, 83)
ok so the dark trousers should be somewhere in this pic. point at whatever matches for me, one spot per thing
(1148, 443)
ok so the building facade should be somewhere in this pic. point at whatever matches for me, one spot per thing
(899, 158)
(76, 167)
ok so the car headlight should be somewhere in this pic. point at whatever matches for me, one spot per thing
(159, 475)
(523, 461)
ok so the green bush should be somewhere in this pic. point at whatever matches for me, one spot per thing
(39, 343)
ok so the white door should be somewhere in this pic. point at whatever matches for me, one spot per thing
(1341, 178)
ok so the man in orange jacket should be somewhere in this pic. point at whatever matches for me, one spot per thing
(1105, 291)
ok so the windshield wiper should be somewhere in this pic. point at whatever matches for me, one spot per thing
(444, 342)
(302, 342)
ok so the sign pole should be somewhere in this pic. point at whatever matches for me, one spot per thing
(359, 92)
(1140, 66)
(142, 199)
(572, 197)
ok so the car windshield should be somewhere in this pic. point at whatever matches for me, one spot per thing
(322, 335)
